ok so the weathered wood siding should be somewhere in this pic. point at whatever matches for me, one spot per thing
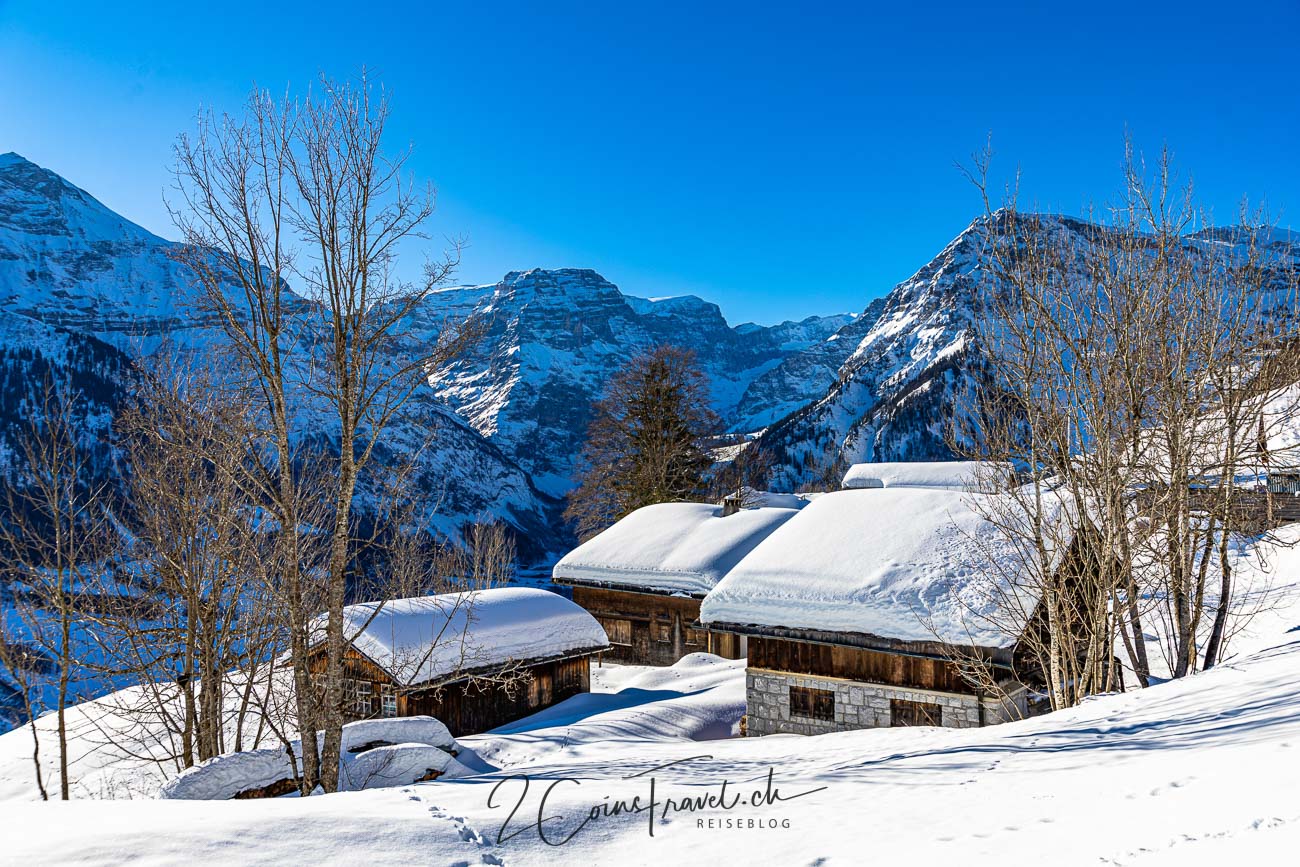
(652, 629)
(471, 711)
(853, 663)
(463, 712)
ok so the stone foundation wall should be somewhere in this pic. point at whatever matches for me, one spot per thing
(857, 705)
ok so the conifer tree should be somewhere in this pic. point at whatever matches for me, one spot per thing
(645, 443)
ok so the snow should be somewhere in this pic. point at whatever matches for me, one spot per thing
(225, 776)
(682, 548)
(900, 563)
(375, 753)
(1192, 772)
(433, 638)
(404, 730)
(954, 475)
(398, 765)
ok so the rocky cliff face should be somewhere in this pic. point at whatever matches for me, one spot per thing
(83, 286)
(554, 339)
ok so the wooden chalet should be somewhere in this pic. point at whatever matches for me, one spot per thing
(474, 660)
(861, 609)
(643, 578)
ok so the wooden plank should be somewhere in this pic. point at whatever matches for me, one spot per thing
(853, 663)
(658, 628)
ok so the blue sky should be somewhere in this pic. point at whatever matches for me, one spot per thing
(780, 160)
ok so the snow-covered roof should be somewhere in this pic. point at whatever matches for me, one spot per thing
(953, 475)
(445, 637)
(905, 564)
(680, 548)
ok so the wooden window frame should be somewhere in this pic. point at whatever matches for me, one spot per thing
(904, 712)
(809, 702)
(358, 697)
(387, 701)
(613, 626)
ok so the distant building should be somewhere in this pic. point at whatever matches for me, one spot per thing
(448, 656)
(644, 577)
(859, 607)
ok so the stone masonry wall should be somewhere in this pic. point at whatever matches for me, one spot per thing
(857, 705)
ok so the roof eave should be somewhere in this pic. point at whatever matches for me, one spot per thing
(1000, 656)
(620, 586)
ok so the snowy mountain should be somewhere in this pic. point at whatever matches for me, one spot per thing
(510, 416)
(68, 261)
(914, 356)
(556, 337)
(85, 292)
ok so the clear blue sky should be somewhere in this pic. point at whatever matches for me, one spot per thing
(780, 160)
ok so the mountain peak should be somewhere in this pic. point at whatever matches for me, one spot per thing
(38, 202)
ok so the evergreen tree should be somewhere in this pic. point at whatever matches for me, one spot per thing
(645, 443)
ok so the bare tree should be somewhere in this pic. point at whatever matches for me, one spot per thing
(56, 539)
(743, 477)
(1128, 362)
(489, 555)
(303, 190)
(28, 669)
(193, 555)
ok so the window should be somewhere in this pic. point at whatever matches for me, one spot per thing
(812, 703)
(387, 701)
(914, 713)
(695, 636)
(1283, 483)
(663, 632)
(619, 631)
(356, 697)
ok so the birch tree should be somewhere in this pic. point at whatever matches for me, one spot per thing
(306, 191)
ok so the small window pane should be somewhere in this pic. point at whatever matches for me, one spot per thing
(387, 701)
(812, 703)
(914, 713)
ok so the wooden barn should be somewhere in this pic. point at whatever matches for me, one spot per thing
(644, 577)
(474, 660)
(857, 609)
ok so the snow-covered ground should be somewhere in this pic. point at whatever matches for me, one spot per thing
(1197, 771)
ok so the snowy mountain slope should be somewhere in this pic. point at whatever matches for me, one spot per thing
(67, 260)
(555, 338)
(804, 376)
(1197, 771)
(894, 395)
(73, 275)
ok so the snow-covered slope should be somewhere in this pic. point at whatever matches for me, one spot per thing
(67, 260)
(1198, 771)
